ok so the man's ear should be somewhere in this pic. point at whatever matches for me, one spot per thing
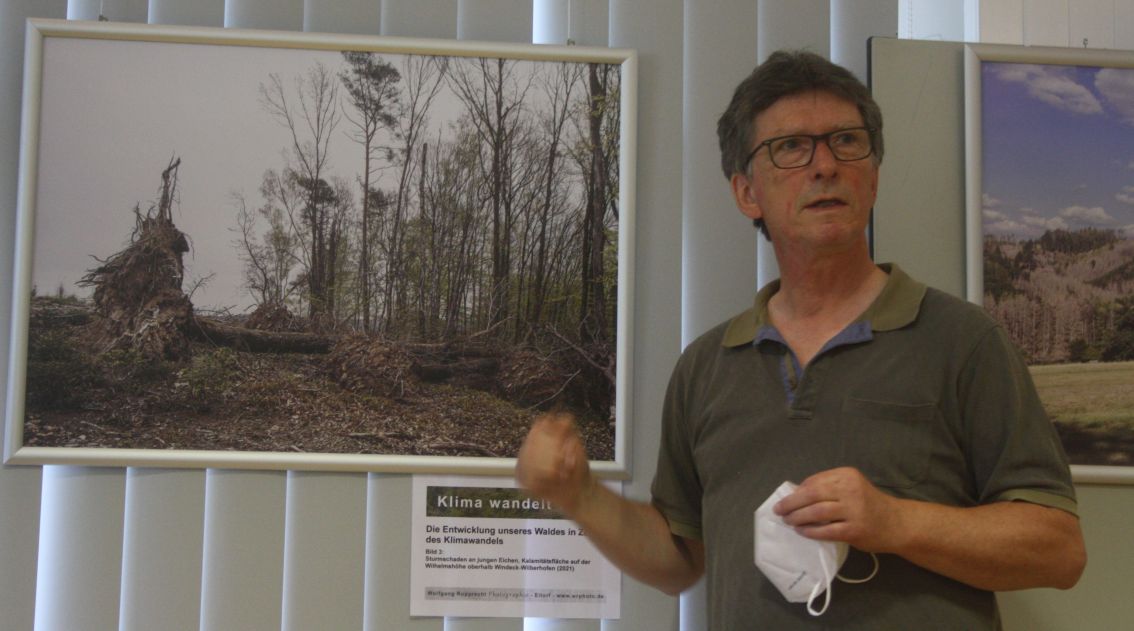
(744, 192)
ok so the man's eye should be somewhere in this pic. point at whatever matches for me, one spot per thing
(846, 139)
(790, 144)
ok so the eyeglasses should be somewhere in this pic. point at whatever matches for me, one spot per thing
(793, 152)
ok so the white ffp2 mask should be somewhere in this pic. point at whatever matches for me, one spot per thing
(799, 567)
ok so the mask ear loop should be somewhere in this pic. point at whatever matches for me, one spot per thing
(825, 586)
(855, 581)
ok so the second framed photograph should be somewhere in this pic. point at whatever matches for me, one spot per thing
(1050, 244)
(253, 249)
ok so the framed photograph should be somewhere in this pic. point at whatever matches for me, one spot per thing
(253, 249)
(1050, 233)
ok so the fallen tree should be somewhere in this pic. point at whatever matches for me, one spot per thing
(257, 340)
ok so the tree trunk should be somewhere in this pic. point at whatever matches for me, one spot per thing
(257, 341)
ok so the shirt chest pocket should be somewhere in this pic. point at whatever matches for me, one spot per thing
(891, 443)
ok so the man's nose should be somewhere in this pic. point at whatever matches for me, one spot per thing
(824, 161)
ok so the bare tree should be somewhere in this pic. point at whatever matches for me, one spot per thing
(310, 115)
(493, 97)
(339, 278)
(447, 237)
(600, 162)
(557, 88)
(422, 78)
(371, 85)
(268, 258)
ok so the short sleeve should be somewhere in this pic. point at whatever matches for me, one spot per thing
(676, 488)
(1015, 452)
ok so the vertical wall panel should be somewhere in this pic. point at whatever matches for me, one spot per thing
(80, 549)
(971, 9)
(242, 583)
(483, 624)
(389, 497)
(917, 115)
(590, 22)
(82, 9)
(112, 10)
(241, 586)
(495, 20)
(419, 18)
(550, 624)
(1092, 23)
(126, 10)
(852, 26)
(1045, 22)
(655, 29)
(325, 546)
(928, 19)
(284, 15)
(1123, 24)
(553, 23)
(324, 559)
(798, 24)
(387, 591)
(550, 21)
(20, 487)
(801, 24)
(719, 243)
(853, 23)
(162, 541)
(196, 13)
(585, 22)
(1001, 21)
(342, 16)
(694, 615)
(501, 21)
(20, 492)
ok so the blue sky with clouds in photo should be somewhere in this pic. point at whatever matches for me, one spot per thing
(1058, 148)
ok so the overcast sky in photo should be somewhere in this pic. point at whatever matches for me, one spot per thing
(1058, 148)
(113, 114)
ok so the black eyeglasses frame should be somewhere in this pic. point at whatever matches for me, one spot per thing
(815, 138)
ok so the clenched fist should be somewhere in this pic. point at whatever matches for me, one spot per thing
(552, 463)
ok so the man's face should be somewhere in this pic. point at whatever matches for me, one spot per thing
(823, 205)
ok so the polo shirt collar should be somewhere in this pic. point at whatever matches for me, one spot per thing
(894, 308)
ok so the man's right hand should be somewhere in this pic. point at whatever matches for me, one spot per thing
(552, 463)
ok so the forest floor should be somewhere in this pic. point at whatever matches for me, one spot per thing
(225, 400)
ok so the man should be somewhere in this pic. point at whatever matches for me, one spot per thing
(905, 415)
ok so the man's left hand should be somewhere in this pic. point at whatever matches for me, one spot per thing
(998, 546)
(842, 505)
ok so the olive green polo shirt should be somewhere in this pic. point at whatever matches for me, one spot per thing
(923, 393)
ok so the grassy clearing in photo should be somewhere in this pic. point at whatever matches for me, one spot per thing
(1092, 406)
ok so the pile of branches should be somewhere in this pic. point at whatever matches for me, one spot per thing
(373, 366)
(399, 370)
(525, 376)
(539, 380)
(275, 317)
(137, 291)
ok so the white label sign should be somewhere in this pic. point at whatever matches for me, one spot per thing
(482, 547)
